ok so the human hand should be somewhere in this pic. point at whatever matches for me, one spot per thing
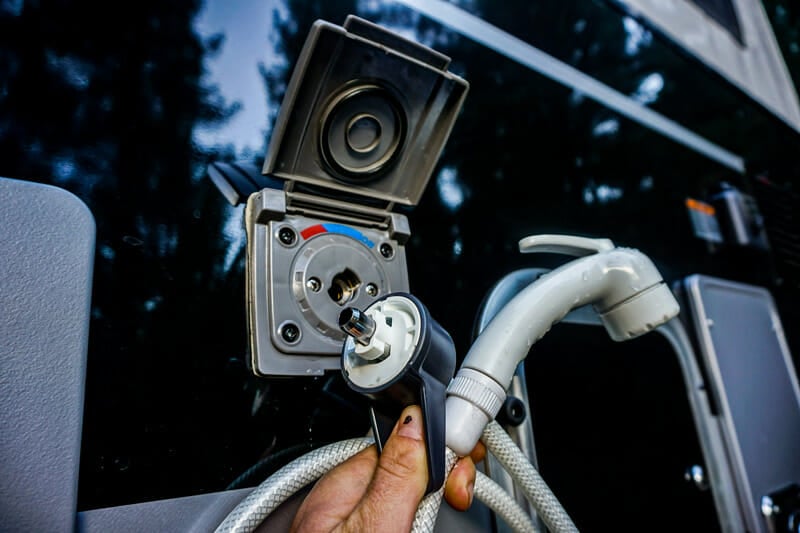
(372, 493)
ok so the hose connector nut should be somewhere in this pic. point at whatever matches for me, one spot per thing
(473, 400)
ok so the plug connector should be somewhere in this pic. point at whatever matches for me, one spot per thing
(397, 355)
(381, 340)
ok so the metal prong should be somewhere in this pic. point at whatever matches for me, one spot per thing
(357, 324)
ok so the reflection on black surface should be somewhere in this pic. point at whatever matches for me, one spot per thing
(614, 432)
(107, 110)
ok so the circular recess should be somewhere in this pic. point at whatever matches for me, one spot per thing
(363, 129)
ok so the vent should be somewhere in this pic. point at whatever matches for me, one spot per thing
(779, 207)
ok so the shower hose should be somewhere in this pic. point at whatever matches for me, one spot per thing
(252, 511)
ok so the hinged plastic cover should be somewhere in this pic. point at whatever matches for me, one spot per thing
(366, 112)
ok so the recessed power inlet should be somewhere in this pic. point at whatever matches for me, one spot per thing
(343, 286)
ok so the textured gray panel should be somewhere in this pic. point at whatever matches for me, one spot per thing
(46, 259)
(203, 513)
(196, 514)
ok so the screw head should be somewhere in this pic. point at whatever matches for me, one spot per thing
(313, 284)
(372, 289)
(290, 332)
(386, 250)
(287, 236)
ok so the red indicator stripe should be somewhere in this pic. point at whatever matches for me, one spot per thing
(312, 230)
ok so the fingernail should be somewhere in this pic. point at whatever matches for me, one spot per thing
(411, 427)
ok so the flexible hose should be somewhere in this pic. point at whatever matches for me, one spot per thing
(279, 487)
(249, 514)
(499, 444)
(428, 510)
(257, 472)
(498, 500)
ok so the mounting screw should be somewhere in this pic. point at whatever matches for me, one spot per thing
(287, 236)
(386, 250)
(372, 289)
(289, 332)
(313, 284)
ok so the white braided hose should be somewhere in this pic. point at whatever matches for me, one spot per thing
(249, 514)
(498, 500)
(499, 444)
(428, 510)
(254, 509)
(487, 491)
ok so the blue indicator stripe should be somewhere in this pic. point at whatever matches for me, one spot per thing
(350, 232)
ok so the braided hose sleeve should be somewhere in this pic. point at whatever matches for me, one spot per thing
(499, 444)
(258, 505)
(428, 510)
(487, 491)
(499, 501)
(249, 514)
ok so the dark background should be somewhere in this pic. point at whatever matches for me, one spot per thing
(107, 110)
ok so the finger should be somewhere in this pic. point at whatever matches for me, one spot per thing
(478, 453)
(399, 482)
(336, 494)
(460, 485)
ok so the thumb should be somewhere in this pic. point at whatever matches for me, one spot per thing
(400, 478)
